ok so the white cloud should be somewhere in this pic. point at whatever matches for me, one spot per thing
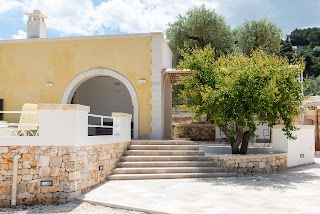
(21, 35)
(82, 17)
(7, 5)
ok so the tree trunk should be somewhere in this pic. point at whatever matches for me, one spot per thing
(245, 142)
(235, 143)
(235, 148)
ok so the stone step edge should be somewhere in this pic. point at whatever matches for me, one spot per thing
(166, 167)
(175, 141)
(190, 143)
(205, 158)
(160, 150)
(170, 175)
(156, 145)
(164, 162)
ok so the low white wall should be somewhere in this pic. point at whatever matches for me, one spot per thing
(301, 150)
(68, 125)
(259, 132)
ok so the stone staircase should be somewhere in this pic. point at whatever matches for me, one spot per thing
(162, 159)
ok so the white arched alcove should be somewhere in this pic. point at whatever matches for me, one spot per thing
(81, 78)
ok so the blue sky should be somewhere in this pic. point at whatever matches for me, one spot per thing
(96, 17)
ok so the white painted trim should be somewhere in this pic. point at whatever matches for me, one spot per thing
(81, 78)
(81, 38)
(156, 112)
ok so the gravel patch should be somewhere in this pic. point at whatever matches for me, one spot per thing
(75, 207)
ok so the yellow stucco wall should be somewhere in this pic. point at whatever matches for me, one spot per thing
(25, 67)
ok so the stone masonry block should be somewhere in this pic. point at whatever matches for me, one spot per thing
(34, 171)
(25, 171)
(27, 157)
(3, 149)
(74, 175)
(44, 171)
(55, 171)
(26, 164)
(71, 166)
(34, 187)
(26, 177)
(55, 161)
(68, 186)
(262, 165)
(44, 160)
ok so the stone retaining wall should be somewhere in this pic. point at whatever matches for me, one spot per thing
(197, 132)
(73, 170)
(252, 164)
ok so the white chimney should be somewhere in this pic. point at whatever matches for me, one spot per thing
(36, 26)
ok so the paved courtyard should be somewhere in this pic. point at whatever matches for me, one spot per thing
(295, 191)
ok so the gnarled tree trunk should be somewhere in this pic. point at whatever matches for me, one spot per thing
(245, 142)
(241, 138)
(235, 142)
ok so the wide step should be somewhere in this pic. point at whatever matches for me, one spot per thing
(166, 164)
(138, 158)
(163, 159)
(153, 170)
(169, 176)
(161, 142)
(162, 152)
(163, 147)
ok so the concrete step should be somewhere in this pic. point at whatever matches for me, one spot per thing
(162, 152)
(163, 147)
(155, 170)
(169, 176)
(138, 158)
(161, 142)
(166, 164)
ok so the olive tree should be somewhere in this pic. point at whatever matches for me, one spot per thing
(236, 90)
(258, 34)
(199, 27)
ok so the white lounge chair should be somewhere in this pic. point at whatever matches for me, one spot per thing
(28, 123)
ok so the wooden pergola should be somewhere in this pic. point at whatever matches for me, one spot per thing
(176, 75)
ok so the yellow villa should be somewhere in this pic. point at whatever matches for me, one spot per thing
(117, 73)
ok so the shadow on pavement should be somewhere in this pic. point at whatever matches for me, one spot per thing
(49, 208)
(278, 181)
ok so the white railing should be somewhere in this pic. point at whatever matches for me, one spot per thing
(22, 128)
(102, 119)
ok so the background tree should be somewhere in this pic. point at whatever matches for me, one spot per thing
(260, 34)
(307, 42)
(312, 86)
(236, 90)
(199, 27)
(305, 37)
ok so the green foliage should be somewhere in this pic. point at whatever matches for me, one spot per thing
(199, 27)
(258, 34)
(176, 91)
(235, 90)
(316, 51)
(286, 49)
(308, 42)
(305, 37)
(313, 84)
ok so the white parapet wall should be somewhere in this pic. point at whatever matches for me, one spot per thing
(262, 133)
(301, 150)
(67, 125)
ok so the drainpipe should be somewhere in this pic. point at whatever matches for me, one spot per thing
(15, 180)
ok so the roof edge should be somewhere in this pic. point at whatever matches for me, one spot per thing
(81, 37)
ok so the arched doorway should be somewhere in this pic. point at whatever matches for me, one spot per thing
(105, 91)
